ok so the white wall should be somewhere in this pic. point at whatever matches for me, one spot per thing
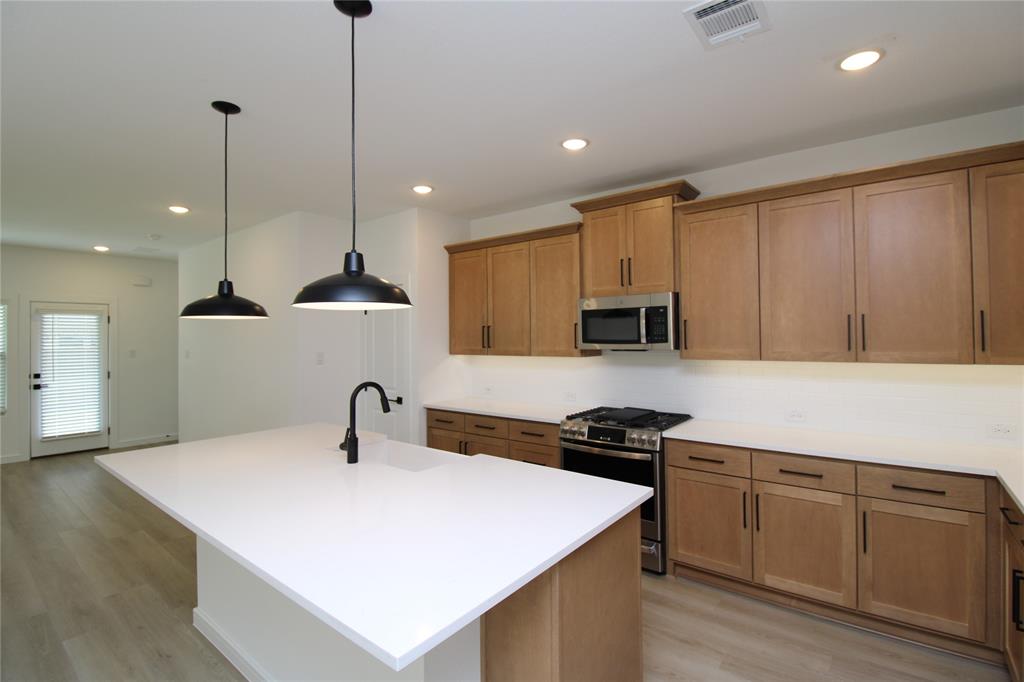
(932, 401)
(250, 375)
(143, 338)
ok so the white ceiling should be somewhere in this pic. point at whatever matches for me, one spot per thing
(106, 118)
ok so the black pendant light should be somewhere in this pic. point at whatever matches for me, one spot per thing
(224, 305)
(354, 288)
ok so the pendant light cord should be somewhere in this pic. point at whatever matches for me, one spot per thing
(225, 195)
(353, 62)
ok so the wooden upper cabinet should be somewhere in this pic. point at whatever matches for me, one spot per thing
(719, 284)
(997, 225)
(923, 565)
(508, 299)
(913, 262)
(554, 294)
(807, 279)
(467, 302)
(604, 252)
(650, 247)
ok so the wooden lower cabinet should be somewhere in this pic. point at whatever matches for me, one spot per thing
(485, 445)
(544, 455)
(709, 523)
(805, 542)
(1013, 586)
(450, 441)
(923, 565)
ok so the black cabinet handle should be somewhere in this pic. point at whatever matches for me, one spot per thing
(864, 530)
(792, 472)
(462, 447)
(629, 268)
(1006, 515)
(489, 336)
(484, 426)
(982, 331)
(705, 459)
(444, 421)
(849, 333)
(483, 336)
(575, 338)
(1015, 596)
(744, 508)
(863, 332)
(622, 281)
(532, 433)
(912, 489)
(757, 513)
(685, 344)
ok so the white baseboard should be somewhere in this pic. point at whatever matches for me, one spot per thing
(147, 440)
(224, 644)
(11, 459)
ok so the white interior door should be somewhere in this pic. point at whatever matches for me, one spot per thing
(387, 360)
(69, 378)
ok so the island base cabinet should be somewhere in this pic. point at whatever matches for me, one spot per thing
(805, 542)
(710, 525)
(580, 620)
(923, 565)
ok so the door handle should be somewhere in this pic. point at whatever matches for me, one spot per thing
(864, 529)
(1006, 515)
(483, 336)
(744, 503)
(685, 344)
(1015, 592)
(914, 489)
(982, 331)
(575, 338)
(629, 269)
(36, 387)
(849, 333)
(794, 472)
(863, 332)
(488, 336)
(757, 512)
(622, 282)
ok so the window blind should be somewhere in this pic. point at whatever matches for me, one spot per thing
(71, 365)
(3, 357)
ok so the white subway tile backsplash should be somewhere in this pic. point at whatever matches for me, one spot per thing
(955, 402)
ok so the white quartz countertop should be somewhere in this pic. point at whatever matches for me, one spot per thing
(551, 413)
(1003, 462)
(397, 552)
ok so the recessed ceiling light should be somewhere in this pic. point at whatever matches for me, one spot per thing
(860, 60)
(422, 189)
(178, 209)
(101, 249)
(575, 144)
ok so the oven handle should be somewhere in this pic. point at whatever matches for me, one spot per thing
(641, 456)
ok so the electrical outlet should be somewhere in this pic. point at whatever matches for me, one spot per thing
(796, 416)
(1004, 431)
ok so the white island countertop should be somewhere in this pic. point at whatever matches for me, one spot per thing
(397, 552)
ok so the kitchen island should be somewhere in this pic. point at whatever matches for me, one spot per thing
(414, 564)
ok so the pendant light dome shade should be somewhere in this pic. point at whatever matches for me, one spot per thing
(224, 305)
(354, 288)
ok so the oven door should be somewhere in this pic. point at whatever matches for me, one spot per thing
(622, 464)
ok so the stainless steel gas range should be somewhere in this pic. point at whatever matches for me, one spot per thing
(625, 444)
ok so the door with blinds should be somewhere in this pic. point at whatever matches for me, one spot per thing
(69, 378)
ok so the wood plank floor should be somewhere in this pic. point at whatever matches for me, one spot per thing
(98, 584)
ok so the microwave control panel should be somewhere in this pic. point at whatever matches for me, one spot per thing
(657, 324)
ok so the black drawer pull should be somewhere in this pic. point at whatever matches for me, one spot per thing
(532, 433)
(1015, 596)
(864, 529)
(849, 334)
(982, 331)
(912, 489)
(791, 472)
(622, 280)
(444, 421)
(706, 459)
(484, 426)
(757, 513)
(863, 332)
(1006, 515)
(744, 508)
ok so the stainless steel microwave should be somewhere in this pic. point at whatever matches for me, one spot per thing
(640, 322)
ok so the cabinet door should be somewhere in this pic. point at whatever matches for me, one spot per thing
(508, 290)
(719, 293)
(650, 247)
(913, 254)
(1013, 592)
(450, 441)
(554, 294)
(709, 521)
(997, 227)
(806, 253)
(604, 252)
(805, 542)
(483, 445)
(467, 302)
(923, 565)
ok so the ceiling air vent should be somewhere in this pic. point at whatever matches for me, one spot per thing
(719, 21)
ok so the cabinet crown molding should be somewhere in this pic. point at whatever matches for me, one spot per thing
(514, 238)
(680, 188)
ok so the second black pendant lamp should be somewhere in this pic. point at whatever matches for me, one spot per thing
(224, 305)
(354, 288)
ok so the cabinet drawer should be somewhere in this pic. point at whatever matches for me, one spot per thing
(484, 445)
(450, 421)
(533, 432)
(545, 455)
(486, 426)
(805, 472)
(921, 487)
(719, 459)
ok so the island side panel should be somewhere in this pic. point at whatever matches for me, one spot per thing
(580, 620)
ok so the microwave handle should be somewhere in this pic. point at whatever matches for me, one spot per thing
(643, 325)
